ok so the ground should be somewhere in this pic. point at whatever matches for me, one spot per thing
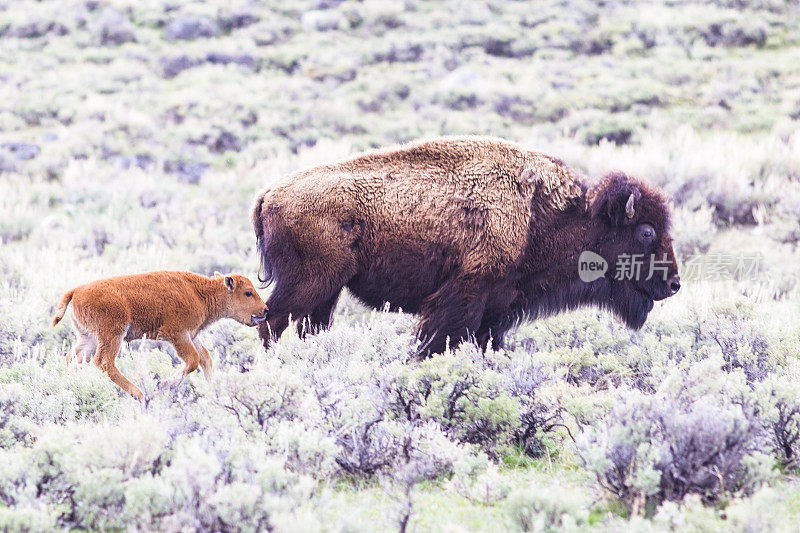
(135, 135)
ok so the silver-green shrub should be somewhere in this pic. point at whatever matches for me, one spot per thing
(551, 508)
(779, 408)
(459, 392)
(697, 435)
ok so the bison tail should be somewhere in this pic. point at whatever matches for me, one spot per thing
(62, 307)
(265, 270)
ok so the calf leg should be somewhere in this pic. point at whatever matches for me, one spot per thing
(89, 349)
(453, 312)
(84, 347)
(71, 355)
(105, 359)
(205, 359)
(320, 318)
(188, 353)
(82, 344)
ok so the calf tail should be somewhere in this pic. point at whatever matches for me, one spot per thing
(62, 307)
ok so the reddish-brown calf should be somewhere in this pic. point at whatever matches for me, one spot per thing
(171, 306)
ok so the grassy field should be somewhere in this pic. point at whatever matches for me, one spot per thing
(134, 135)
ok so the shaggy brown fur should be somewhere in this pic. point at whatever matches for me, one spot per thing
(172, 306)
(472, 233)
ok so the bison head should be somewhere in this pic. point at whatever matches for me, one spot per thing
(632, 224)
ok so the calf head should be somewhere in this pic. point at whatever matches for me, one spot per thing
(241, 303)
(631, 221)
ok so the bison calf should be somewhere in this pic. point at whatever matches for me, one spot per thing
(472, 233)
(171, 306)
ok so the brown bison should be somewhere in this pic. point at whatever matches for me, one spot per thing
(472, 233)
(171, 306)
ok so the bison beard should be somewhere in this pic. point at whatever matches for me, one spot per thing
(473, 234)
(628, 303)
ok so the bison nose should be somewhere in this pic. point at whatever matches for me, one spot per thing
(674, 284)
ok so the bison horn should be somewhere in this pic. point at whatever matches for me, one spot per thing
(629, 210)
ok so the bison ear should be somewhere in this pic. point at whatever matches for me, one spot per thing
(230, 283)
(615, 199)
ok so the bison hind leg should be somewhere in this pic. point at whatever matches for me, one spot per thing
(308, 292)
(312, 303)
(271, 329)
(320, 318)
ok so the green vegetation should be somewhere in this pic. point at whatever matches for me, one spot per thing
(134, 136)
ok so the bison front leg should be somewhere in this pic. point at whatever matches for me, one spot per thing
(451, 315)
(500, 316)
(493, 329)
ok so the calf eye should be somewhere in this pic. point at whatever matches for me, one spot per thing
(645, 233)
(248, 293)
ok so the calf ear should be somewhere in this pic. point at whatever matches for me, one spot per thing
(217, 275)
(615, 199)
(230, 283)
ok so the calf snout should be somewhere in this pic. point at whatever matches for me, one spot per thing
(258, 319)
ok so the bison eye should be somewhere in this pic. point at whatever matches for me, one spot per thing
(248, 293)
(645, 233)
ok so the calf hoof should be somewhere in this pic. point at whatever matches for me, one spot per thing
(170, 383)
(138, 395)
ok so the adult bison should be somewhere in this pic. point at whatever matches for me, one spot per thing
(471, 233)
